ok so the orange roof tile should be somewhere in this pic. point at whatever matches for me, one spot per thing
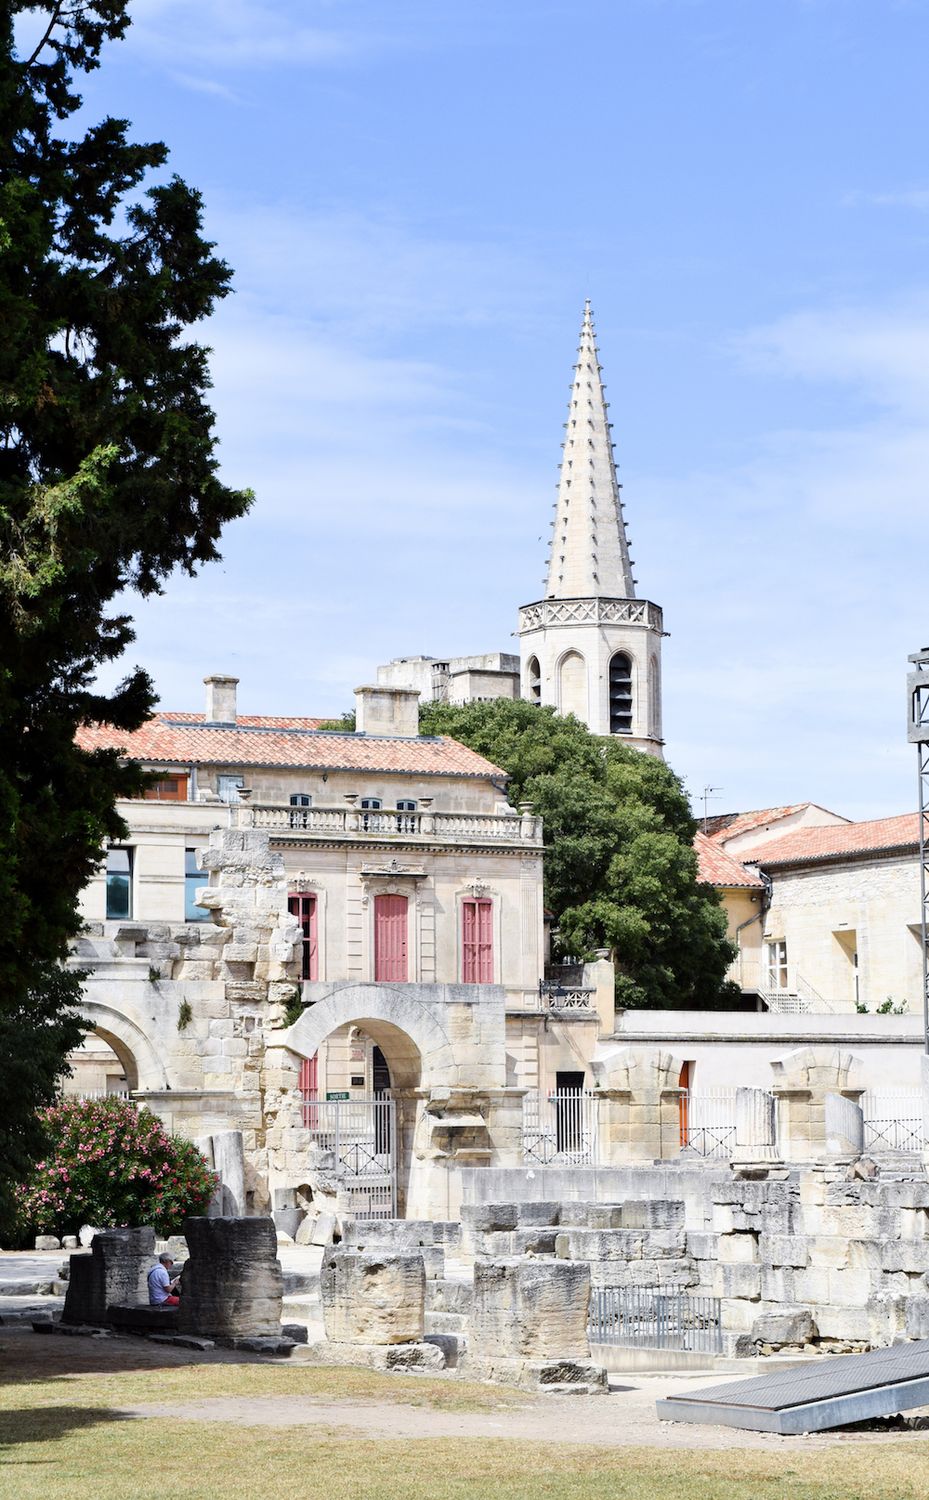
(175, 739)
(723, 870)
(725, 826)
(833, 842)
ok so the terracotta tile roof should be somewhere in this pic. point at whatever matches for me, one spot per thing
(172, 739)
(808, 844)
(250, 721)
(721, 869)
(725, 826)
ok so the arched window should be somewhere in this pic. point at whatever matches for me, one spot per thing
(534, 680)
(299, 802)
(620, 694)
(572, 684)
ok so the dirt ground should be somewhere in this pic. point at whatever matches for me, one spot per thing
(348, 1404)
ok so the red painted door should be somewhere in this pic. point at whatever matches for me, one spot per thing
(390, 938)
(477, 942)
(304, 909)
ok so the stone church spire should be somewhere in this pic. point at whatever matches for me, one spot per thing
(590, 647)
(589, 554)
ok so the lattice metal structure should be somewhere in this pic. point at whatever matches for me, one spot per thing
(917, 683)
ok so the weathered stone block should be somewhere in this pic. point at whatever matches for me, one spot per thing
(788, 1326)
(115, 1271)
(738, 1280)
(532, 1308)
(233, 1284)
(784, 1250)
(531, 1214)
(737, 1249)
(480, 1217)
(373, 1297)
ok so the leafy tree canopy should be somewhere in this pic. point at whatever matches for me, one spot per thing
(620, 868)
(108, 482)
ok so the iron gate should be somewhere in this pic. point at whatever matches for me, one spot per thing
(560, 1129)
(893, 1120)
(361, 1136)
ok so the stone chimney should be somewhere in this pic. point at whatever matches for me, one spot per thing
(220, 699)
(391, 711)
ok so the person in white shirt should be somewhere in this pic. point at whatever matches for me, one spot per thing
(161, 1288)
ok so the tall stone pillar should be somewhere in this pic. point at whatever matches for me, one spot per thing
(802, 1082)
(640, 1105)
(755, 1125)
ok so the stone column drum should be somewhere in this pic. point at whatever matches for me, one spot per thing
(373, 1297)
(233, 1284)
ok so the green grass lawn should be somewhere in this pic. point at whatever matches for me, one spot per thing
(62, 1435)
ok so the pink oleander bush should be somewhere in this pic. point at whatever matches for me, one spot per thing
(112, 1164)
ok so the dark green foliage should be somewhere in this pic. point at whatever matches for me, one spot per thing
(107, 481)
(620, 869)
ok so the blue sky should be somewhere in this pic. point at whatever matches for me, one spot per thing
(416, 197)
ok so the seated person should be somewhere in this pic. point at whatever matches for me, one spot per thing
(162, 1291)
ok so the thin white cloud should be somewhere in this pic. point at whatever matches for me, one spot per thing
(237, 34)
(914, 197)
(210, 86)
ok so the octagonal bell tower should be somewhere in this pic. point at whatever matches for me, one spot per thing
(590, 647)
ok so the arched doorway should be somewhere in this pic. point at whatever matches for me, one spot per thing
(101, 1068)
(409, 1053)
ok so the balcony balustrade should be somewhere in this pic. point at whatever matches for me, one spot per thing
(299, 823)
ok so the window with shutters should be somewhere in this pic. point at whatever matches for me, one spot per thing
(390, 939)
(166, 789)
(303, 907)
(477, 941)
(621, 694)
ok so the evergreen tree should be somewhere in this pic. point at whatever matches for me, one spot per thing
(620, 867)
(108, 482)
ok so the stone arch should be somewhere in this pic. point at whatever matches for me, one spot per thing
(141, 1063)
(417, 1048)
(572, 685)
(533, 680)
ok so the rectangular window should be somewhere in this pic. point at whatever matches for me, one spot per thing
(777, 965)
(370, 822)
(390, 939)
(167, 789)
(118, 883)
(194, 879)
(229, 788)
(477, 942)
(304, 909)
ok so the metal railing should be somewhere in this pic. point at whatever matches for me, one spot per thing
(893, 1120)
(708, 1121)
(652, 1318)
(560, 1129)
(565, 996)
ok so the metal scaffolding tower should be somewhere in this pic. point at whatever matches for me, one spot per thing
(917, 683)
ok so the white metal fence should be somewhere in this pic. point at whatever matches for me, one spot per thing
(360, 1135)
(560, 1129)
(893, 1120)
(708, 1121)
